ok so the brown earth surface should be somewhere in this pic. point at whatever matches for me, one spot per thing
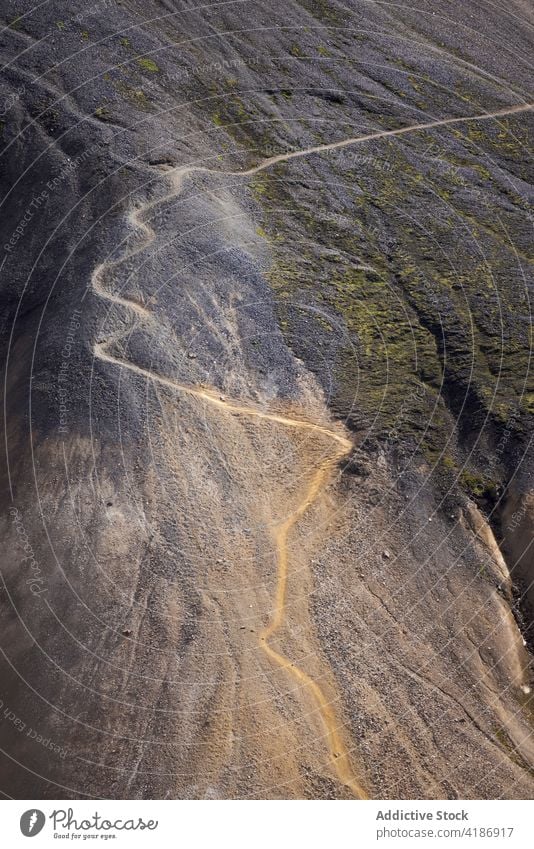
(267, 495)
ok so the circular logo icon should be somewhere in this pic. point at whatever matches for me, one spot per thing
(31, 822)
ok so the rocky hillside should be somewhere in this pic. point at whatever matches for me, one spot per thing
(266, 481)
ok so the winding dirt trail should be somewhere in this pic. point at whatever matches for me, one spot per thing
(336, 746)
(338, 751)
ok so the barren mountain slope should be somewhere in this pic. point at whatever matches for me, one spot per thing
(267, 499)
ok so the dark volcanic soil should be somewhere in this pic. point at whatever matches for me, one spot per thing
(202, 594)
